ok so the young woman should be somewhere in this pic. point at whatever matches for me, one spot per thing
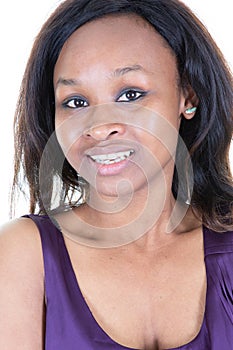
(129, 105)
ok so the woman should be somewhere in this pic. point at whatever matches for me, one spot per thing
(130, 104)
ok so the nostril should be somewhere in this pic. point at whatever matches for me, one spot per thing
(113, 132)
(101, 132)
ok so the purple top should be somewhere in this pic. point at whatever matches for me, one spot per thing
(71, 325)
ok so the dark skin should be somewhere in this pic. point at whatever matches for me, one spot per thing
(150, 293)
(137, 286)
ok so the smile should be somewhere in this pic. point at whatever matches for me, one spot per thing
(112, 158)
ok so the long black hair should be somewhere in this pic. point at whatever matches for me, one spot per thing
(200, 64)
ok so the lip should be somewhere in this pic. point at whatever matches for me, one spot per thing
(106, 148)
(114, 168)
(110, 169)
(109, 147)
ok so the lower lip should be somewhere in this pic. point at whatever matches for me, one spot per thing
(111, 169)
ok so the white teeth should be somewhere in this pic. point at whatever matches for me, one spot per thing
(111, 158)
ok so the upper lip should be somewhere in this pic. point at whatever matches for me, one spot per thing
(109, 149)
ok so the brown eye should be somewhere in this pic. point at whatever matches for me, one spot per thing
(75, 102)
(130, 95)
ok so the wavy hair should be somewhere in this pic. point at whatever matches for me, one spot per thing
(200, 64)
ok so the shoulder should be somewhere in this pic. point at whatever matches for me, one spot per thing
(22, 285)
(20, 248)
(19, 236)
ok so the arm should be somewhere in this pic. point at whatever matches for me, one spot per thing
(21, 287)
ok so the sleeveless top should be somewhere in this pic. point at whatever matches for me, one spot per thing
(70, 324)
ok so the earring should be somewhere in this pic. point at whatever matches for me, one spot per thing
(190, 110)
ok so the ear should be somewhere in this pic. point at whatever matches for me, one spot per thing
(189, 102)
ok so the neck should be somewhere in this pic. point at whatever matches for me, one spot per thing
(127, 205)
(133, 214)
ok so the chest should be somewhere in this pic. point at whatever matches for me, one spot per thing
(145, 303)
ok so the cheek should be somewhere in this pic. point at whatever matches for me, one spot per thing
(160, 147)
(159, 139)
(159, 128)
(69, 138)
(167, 104)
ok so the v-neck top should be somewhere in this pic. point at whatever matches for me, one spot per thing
(70, 324)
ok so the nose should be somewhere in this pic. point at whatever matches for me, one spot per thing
(105, 131)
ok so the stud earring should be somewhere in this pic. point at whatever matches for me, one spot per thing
(190, 110)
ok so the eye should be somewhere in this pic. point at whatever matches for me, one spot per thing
(130, 95)
(75, 102)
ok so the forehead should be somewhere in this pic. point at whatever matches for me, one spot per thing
(115, 39)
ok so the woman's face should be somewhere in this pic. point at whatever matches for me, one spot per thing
(118, 103)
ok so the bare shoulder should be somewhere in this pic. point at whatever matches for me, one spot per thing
(20, 250)
(19, 242)
(22, 286)
(18, 227)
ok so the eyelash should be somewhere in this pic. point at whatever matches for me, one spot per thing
(78, 99)
(139, 94)
(74, 101)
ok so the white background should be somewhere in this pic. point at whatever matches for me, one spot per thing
(20, 21)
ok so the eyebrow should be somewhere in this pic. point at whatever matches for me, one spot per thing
(67, 82)
(121, 71)
(117, 73)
